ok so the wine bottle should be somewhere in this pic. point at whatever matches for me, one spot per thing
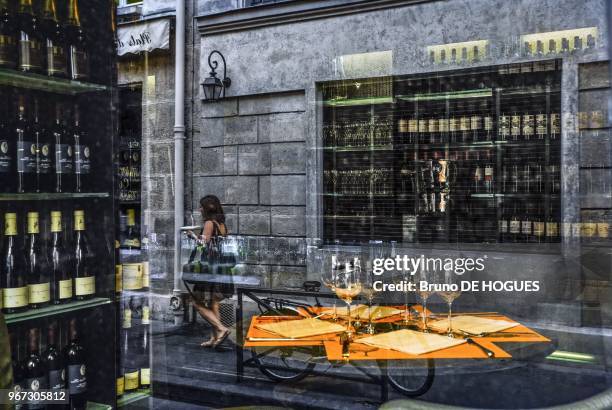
(145, 370)
(61, 281)
(36, 268)
(64, 166)
(515, 226)
(84, 277)
(526, 225)
(17, 363)
(44, 162)
(77, 43)
(57, 61)
(53, 359)
(7, 152)
(502, 224)
(82, 162)
(31, 43)
(539, 226)
(130, 370)
(76, 369)
(26, 150)
(35, 372)
(14, 285)
(8, 36)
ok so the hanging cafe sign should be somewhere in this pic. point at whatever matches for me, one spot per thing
(147, 36)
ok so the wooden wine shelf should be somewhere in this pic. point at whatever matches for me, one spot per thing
(39, 82)
(55, 310)
(130, 398)
(52, 196)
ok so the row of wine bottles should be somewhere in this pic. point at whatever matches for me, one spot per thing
(40, 154)
(38, 273)
(52, 367)
(36, 39)
(133, 369)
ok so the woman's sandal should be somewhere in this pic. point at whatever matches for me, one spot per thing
(209, 343)
(221, 339)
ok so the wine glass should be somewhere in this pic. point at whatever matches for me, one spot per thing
(367, 290)
(329, 277)
(348, 286)
(424, 294)
(449, 294)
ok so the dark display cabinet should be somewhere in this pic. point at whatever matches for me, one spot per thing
(470, 156)
(57, 84)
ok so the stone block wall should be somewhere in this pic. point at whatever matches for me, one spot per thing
(252, 155)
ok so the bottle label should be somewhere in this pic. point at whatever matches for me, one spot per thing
(503, 226)
(576, 229)
(56, 59)
(30, 53)
(146, 315)
(603, 230)
(15, 297)
(35, 384)
(127, 319)
(39, 293)
(423, 126)
(10, 224)
(131, 217)
(515, 125)
(443, 125)
(589, 229)
(504, 126)
(146, 276)
(57, 379)
(77, 378)
(476, 122)
(79, 220)
(515, 226)
(145, 377)
(118, 278)
(82, 161)
(464, 124)
(413, 126)
(528, 125)
(488, 123)
(45, 164)
(541, 124)
(120, 385)
(432, 125)
(26, 157)
(131, 380)
(65, 289)
(63, 159)
(453, 124)
(33, 223)
(56, 221)
(538, 228)
(85, 286)
(526, 227)
(7, 45)
(555, 124)
(488, 173)
(132, 276)
(5, 156)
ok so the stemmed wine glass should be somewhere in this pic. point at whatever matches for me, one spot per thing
(329, 278)
(348, 286)
(449, 294)
(424, 294)
(367, 290)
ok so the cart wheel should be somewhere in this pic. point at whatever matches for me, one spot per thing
(411, 378)
(283, 364)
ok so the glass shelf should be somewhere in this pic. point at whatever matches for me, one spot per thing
(451, 95)
(358, 195)
(55, 310)
(351, 102)
(518, 195)
(18, 79)
(51, 196)
(366, 148)
(98, 406)
(129, 398)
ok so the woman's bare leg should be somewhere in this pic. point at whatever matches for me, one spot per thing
(210, 317)
(214, 307)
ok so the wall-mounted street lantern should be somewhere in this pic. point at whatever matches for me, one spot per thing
(214, 88)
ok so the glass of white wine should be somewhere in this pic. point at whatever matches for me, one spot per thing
(348, 286)
(424, 294)
(329, 278)
(451, 292)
